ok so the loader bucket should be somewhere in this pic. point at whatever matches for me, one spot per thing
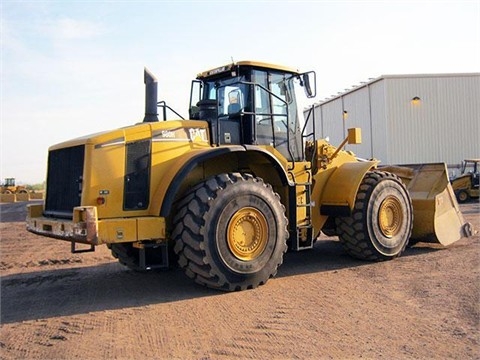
(436, 214)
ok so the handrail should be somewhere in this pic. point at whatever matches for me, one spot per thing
(312, 134)
(162, 104)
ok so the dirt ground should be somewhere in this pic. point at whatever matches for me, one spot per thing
(321, 305)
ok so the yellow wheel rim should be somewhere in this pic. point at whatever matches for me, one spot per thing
(247, 234)
(390, 217)
(462, 196)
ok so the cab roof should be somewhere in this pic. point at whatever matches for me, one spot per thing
(257, 64)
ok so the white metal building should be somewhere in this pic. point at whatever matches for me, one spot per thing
(408, 119)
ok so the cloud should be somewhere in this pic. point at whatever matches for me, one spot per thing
(71, 29)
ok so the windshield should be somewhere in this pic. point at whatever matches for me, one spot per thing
(232, 94)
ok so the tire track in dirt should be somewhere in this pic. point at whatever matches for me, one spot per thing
(258, 338)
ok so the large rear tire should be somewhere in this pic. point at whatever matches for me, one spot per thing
(382, 219)
(127, 255)
(230, 232)
(462, 196)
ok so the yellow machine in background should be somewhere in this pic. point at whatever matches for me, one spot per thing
(9, 187)
(227, 192)
(466, 186)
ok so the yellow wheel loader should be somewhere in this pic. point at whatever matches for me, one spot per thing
(9, 187)
(466, 186)
(226, 193)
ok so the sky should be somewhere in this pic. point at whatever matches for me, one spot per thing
(72, 68)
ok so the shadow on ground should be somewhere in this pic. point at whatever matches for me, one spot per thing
(63, 292)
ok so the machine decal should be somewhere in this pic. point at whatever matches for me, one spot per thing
(181, 135)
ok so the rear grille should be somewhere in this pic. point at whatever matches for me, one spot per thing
(64, 181)
(137, 177)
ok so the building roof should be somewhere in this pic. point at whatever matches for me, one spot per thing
(397, 76)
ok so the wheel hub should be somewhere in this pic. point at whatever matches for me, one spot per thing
(390, 216)
(462, 196)
(247, 234)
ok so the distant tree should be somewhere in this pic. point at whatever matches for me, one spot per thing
(36, 187)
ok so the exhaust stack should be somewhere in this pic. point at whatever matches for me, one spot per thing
(151, 88)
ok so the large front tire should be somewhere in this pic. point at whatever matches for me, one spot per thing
(382, 219)
(230, 232)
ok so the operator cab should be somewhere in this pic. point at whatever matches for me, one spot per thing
(252, 103)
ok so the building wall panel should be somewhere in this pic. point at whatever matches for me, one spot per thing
(357, 107)
(332, 121)
(444, 126)
(379, 124)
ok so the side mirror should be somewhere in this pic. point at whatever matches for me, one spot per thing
(309, 83)
(234, 97)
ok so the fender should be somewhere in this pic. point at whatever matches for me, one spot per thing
(340, 191)
(189, 161)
